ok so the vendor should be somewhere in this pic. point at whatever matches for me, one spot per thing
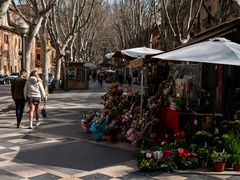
(114, 86)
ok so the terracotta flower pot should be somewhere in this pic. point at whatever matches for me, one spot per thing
(236, 167)
(219, 167)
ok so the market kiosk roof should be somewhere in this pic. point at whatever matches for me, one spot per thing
(215, 51)
(133, 53)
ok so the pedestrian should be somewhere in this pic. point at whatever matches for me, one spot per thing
(33, 92)
(101, 77)
(17, 87)
(129, 79)
(94, 76)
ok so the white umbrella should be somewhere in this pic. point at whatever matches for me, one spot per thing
(109, 55)
(216, 51)
(110, 71)
(139, 52)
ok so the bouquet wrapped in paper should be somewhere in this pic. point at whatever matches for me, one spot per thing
(99, 125)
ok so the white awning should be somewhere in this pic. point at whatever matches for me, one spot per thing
(215, 51)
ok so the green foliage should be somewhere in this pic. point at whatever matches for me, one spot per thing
(232, 144)
(188, 162)
(201, 137)
(203, 154)
(168, 165)
(219, 157)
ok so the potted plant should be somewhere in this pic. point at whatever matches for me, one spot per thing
(203, 156)
(219, 159)
(232, 144)
(236, 161)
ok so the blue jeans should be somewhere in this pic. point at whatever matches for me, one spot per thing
(19, 109)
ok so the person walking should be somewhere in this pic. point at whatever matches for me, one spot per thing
(33, 92)
(17, 87)
(101, 77)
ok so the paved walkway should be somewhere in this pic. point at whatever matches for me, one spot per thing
(60, 149)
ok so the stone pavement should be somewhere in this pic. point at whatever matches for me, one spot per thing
(60, 149)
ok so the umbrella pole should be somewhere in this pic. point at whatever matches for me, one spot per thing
(141, 91)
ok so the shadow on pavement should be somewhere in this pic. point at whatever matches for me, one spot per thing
(75, 155)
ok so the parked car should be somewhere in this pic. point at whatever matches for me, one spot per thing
(13, 75)
(51, 82)
(4, 79)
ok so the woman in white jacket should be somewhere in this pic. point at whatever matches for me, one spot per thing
(33, 92)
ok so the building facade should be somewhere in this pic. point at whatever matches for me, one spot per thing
(10, 50)
(11, 54)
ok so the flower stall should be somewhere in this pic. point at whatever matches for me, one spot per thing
(172, 132)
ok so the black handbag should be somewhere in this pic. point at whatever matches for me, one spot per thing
(44, 111)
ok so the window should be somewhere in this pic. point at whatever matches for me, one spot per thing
(38, 44)
(39, 57)
(5, 38)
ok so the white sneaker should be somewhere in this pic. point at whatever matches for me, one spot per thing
(37, 123)
(30, 125)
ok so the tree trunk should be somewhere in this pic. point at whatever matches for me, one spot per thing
(58, 72)
(45, 56)
(45, 68)
(28, 57)
(4, 4)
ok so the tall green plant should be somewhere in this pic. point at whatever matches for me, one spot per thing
(232, 144)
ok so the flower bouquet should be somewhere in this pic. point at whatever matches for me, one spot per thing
(99, 126)
(115, 128)
(85, 122)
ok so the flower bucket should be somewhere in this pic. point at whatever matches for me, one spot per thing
(219, 167)
(236, 167)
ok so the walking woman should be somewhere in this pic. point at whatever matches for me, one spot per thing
(33, 92)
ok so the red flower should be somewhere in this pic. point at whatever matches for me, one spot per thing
(183, 152)
(167, 153)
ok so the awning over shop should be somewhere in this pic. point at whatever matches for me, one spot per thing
(215, 51)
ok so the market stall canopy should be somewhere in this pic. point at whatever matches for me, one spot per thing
(90, 65)
(215, 51)
(110, 71)
(133, 53)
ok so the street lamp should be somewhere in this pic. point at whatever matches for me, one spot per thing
(67, 54)
(23, 27)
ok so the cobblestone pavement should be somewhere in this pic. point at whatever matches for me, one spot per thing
(60, 149)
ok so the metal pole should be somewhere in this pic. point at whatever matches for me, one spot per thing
(141, 91)
(23, 65)
(67, 76)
